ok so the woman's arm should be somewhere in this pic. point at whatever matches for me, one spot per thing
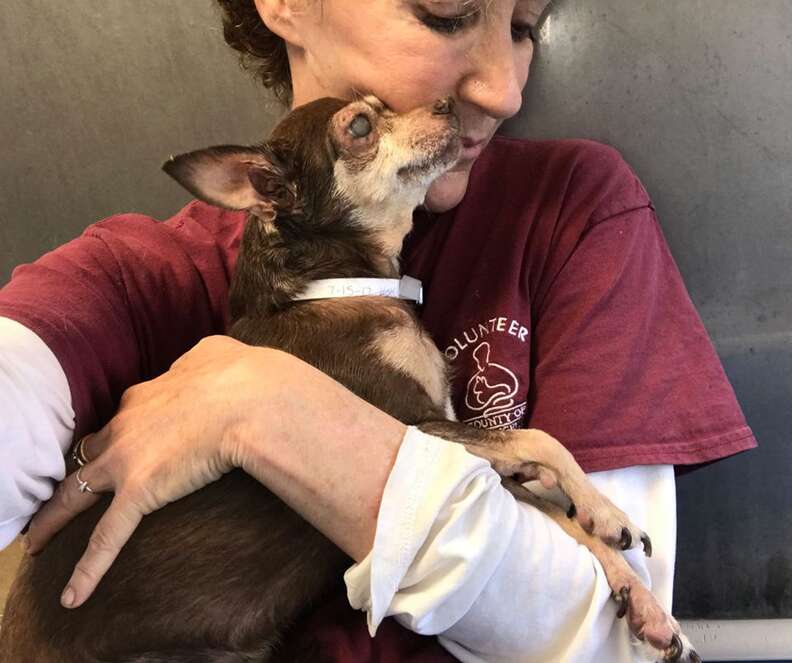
(330, 454)
(455, 555)
(323, 450)
(440, 544)
(444, 548)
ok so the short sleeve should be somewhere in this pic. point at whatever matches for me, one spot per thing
(124, 300)
(623, 370)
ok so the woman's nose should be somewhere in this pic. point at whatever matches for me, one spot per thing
(496, 76)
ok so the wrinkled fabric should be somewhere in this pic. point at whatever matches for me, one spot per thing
(456, 556)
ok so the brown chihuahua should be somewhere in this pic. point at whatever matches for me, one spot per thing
(218, 575)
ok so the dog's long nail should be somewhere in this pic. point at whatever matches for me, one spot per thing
(626, 539)
(675, 650)
(572, 511)
(622, 600)
(647, 544)
(619, 612)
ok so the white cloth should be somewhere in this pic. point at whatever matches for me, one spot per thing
(455, 555)
(36, 425)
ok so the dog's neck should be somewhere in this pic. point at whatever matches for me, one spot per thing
(278, 259)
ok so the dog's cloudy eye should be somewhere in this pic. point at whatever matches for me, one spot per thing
(360, 127)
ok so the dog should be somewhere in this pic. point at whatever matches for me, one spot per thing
(219, 574)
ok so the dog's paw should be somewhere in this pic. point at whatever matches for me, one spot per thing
(531, 454)
(680, 651)
(659, 635)
(600, 517)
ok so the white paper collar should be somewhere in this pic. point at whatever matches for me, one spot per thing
(404, 288)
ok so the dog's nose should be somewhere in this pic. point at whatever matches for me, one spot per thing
(443, 106)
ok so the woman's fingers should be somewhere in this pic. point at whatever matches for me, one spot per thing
(169, 438)
(94, 445)
(109, 536)
(82, 451)
(66, 502)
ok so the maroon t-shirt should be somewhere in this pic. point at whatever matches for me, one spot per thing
(550, 289)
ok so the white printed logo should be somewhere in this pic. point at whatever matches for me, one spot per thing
(491, 392)
(492, 386)
(492, 389)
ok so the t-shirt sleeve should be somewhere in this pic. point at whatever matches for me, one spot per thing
(623, 369)
(121, 302)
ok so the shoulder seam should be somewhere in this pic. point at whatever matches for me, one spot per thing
(616, 215)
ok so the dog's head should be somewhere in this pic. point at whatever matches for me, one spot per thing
(329, 161)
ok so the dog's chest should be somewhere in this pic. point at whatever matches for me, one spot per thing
(373, 345)
(408, 349)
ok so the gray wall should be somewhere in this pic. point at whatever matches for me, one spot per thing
(695, 93)
(95, 95)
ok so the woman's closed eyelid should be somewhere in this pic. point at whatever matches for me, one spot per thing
(445, 24)
(452, 25)
(458, 22)
(457, 6)
(446, 11)
(530, 30)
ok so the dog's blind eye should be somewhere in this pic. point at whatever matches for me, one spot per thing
(360, 127)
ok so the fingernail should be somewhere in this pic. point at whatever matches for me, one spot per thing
(25, 544)
(68, 597)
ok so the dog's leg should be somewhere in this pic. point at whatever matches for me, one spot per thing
(593, 521)
(648, 621)
(531, 454)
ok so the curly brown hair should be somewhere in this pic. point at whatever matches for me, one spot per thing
(262, 52)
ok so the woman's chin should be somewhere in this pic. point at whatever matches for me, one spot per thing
(447, 191)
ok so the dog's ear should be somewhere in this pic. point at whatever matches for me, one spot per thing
(235, 177)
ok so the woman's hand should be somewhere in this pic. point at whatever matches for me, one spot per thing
(171, 436)
(323, 450)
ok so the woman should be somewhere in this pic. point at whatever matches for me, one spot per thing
(543, 265)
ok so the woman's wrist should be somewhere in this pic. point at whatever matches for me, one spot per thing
(319, 447)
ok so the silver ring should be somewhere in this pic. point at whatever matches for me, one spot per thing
(78, 454)
(83, 485)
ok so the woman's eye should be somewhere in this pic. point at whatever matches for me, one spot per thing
(446, 24)
(453, 24)
(523, 31)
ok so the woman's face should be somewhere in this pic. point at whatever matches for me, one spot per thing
(410, 53)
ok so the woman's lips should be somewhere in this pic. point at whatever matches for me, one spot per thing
(471, 153)
(470, 141)
(471, 149)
